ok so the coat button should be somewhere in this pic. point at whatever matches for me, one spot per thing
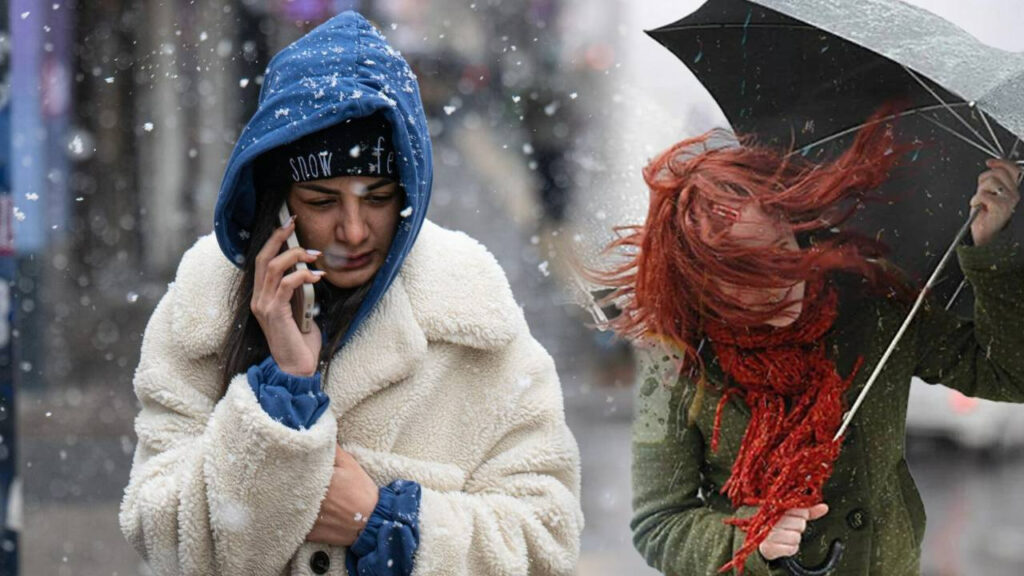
(320, 562)
(857, 518)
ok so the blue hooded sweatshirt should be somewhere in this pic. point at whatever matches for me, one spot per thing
(340, 70)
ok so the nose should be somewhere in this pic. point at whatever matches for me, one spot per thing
(351, 228)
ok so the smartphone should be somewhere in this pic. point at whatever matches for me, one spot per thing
(303, 299)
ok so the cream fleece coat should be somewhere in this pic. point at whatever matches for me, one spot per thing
(442, 384)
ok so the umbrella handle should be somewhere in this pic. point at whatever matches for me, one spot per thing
(835, 552)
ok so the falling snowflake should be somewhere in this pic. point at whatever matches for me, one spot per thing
(31, 196)
(243, 82)
(18, 214)
(449, 110)
(543, 267)
(132, 297)
(516, 99)
(407, 212)
(281, 112)
(148, 126)
(24, 15)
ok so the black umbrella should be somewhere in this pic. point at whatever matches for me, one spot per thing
(807, 74)
(793, 82)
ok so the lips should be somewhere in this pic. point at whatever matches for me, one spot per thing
(337, 261)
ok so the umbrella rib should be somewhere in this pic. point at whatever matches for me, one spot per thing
(959, 289)
(935, 94)
(999, 144)
(1013, 150)
(886, 119)
(715, 26)
(988, 151)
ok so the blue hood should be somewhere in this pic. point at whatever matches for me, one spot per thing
(342, 69)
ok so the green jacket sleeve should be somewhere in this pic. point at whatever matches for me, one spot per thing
(985, 357)
(674, 528)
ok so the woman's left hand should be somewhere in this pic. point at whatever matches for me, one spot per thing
(998, 196)
(351, 498)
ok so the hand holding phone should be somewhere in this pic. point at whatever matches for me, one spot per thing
(303, 298)
(282, 300)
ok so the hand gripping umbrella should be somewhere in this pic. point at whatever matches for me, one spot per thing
(807, 73)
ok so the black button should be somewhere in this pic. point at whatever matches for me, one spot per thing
(320, 562)
(857, 519)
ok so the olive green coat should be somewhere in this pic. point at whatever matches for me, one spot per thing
(874, 505)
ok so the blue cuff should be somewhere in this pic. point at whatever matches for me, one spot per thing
(388, 543)
(295, 401)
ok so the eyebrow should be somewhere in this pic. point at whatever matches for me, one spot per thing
(325, 190)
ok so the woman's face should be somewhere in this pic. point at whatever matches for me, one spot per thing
(749, 225)
(351, 220)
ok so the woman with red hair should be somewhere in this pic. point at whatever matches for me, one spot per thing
(762, 317)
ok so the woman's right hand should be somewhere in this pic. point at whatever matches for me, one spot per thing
(784, 539)
(276, 279)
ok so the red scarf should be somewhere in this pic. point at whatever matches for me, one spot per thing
(795, 396)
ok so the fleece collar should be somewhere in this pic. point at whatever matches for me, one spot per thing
(450, 289)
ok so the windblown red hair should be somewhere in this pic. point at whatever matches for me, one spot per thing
(663, 285)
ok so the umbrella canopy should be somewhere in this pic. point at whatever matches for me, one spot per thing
(808, 73)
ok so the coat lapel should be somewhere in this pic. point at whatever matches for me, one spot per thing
(386, 348)
(450, 289)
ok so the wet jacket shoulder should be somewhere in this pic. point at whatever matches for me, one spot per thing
(442, 385)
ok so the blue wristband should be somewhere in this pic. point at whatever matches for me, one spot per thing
(295, 401)
(388, 543)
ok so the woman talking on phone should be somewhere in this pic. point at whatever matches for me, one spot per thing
(412, 426)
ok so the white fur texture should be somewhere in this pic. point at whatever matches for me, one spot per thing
(442, 384)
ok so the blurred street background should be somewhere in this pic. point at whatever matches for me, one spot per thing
(124, 113)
